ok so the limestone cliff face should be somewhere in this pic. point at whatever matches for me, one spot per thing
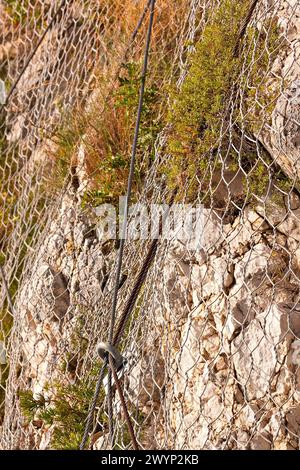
(282, 139)
(214, 347)
(232, 359)
(58, 311)
(228, 329)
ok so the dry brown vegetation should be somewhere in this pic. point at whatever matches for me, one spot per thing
(104, 124)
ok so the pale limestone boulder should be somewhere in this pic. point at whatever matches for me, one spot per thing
(213, 277)
(149, 393)
(260, 349)
(250, 272)
(206, 238)
(282, 137)
(249, 362)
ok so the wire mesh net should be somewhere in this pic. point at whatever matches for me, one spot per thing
(212, 344)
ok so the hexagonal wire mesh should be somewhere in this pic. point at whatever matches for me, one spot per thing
(212, 345)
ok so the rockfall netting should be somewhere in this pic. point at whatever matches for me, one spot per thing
(212, 346)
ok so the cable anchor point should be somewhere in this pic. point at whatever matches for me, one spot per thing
(103, 349)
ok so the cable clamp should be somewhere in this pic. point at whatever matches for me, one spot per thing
(103, 349)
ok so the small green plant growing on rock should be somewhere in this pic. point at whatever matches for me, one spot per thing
(66, 410)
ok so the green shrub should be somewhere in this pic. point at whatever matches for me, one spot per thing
(199, 111)
(66, 410)
(197, 108)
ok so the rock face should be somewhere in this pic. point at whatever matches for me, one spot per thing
(55, 319)
(283, 137)
(229, 341)
(217, 365)
(213, 347)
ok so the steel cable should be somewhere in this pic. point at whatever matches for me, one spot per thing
(123, 236)
(115, 338)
